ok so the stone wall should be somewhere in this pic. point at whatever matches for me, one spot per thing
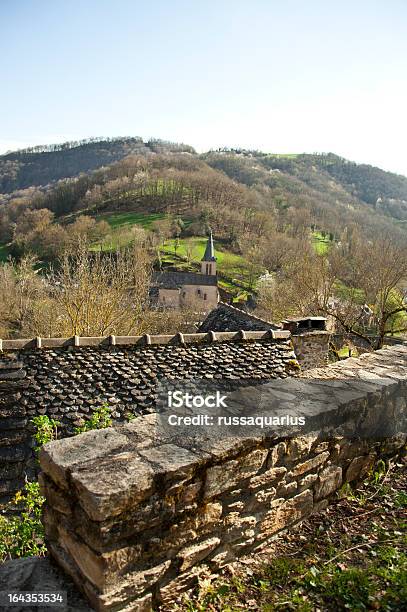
(14, 447)
(134, 515)
(67, 378)
(312, 349)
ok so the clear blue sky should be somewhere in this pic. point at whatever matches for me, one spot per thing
(281, 76)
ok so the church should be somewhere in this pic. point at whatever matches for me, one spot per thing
(197, 290)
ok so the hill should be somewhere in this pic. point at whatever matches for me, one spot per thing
(383, 191)
(262, 208)
(45, 164)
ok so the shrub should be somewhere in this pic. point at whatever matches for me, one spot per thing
(100, 419)
(46, 430)
(22, 535)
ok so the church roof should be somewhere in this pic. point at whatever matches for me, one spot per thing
(209, 254)
(176, 280)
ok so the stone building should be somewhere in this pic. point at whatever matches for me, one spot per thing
(310, 337)
(189, 289)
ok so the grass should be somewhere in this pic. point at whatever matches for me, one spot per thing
(320, 243)
(232, 267)
(123, 226)
(344, 292)
(289, 155)
(226, 260)
(128, 219)
(344, 352)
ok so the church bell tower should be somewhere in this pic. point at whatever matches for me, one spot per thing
(208, 261)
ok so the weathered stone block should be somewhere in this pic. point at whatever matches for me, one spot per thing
(310, 464)
(359, 466)
(265, 496)
(224, 555)
(271, 476)
(394, 444)
(172, 590)
(223, 477)
(300, 446)
(307, 481)
(103, 570)
(61, 456)
(277, 454)
(196, 552)
(56, 498)
(109, 488)
(171, 461)
(286, 514)
(329, 481)
(286, 489)
(238, 527)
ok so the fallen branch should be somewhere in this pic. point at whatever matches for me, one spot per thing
(362, 545)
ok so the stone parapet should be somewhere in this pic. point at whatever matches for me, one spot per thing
(134, 514)
(145, 340)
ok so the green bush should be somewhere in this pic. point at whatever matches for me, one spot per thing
(46, 430)
(21, 530)
(22, 535)
(100, 419)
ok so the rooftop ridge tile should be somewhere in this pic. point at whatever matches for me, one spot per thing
(144, 340)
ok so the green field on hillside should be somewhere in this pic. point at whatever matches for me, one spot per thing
(321, 243)
(127, 219)
(226, 261)
(123, 226)
(289, 155)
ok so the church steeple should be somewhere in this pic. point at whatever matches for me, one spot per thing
(208, 261)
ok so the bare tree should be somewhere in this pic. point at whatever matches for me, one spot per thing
(190, 250)
(21, 289)
(364, 276)
(101, 294)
